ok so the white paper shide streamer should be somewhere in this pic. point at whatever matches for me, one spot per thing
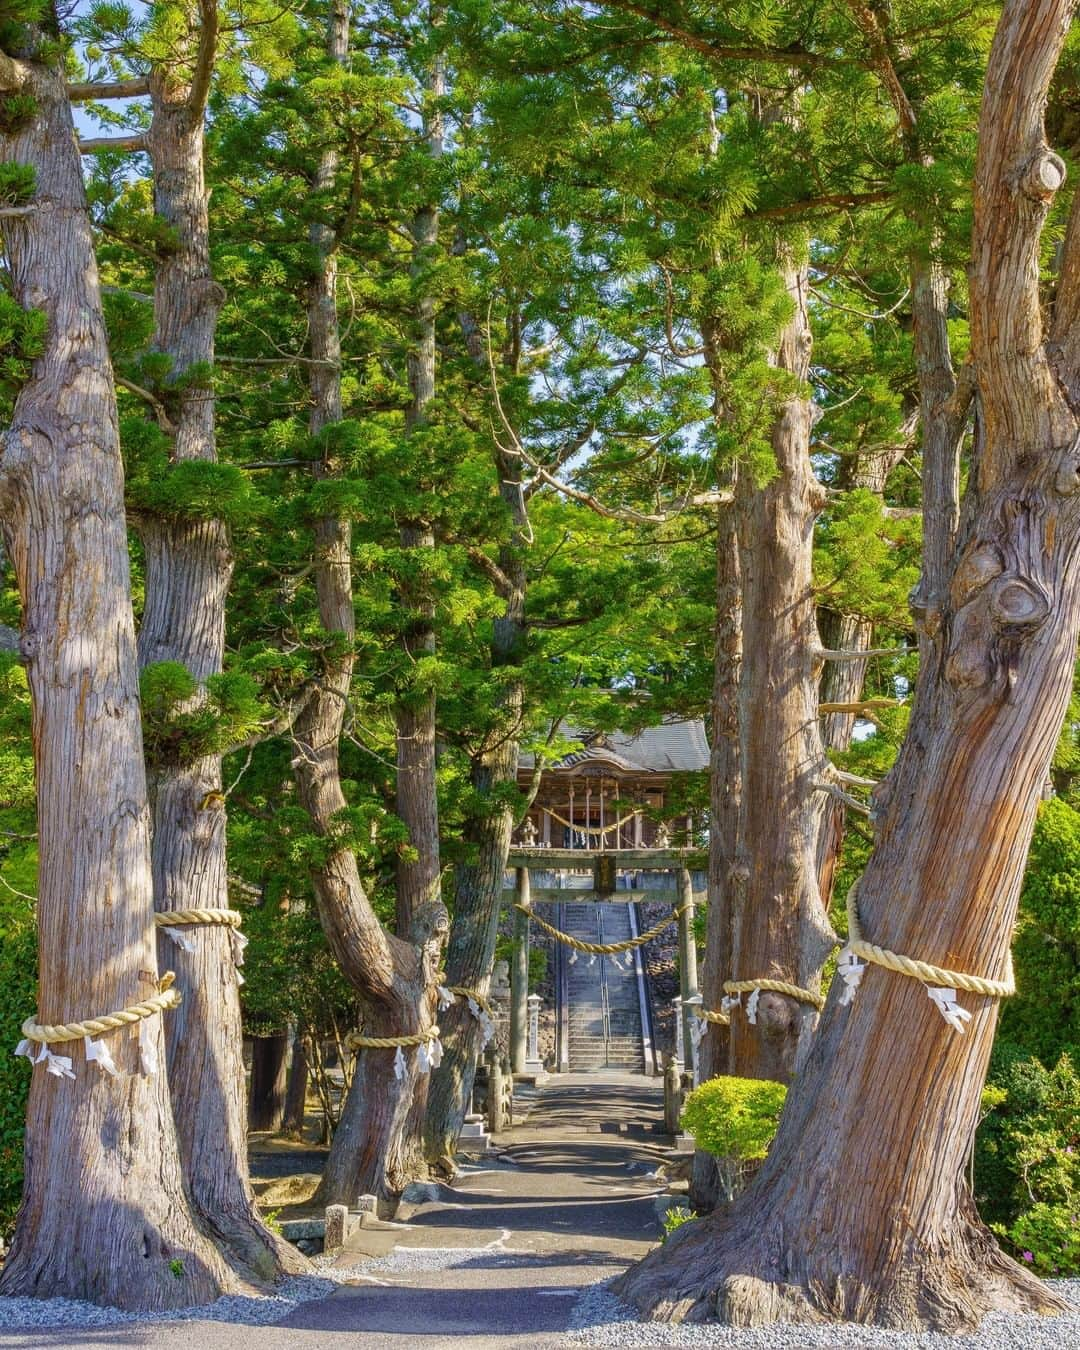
(487, 1026)
(148, 1057)
(239, 942)
(97, 1052)
(945, 1002)
(180, 938)
(851, 970)
(58, 1065)
(401, 1068)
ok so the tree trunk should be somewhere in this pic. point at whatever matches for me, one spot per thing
(417, 801)
(104, 1216)
(879, 1125)
(292, 1123)
(188, 569)
(266, 1101)
(727, 871)
(394, 975)
(781, 929)
(478, 882)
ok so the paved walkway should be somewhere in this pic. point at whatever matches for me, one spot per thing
(573, 1207)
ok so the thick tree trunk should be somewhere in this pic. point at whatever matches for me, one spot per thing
(727, 870)
(478, 882)
(862, 1209)
(188, 569)
(417, 801)
(371, 1152)
(781, 928)
(266, 1100)
(292, 1122)
(105, 1216)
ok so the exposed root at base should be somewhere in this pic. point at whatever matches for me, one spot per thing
(715, 1270)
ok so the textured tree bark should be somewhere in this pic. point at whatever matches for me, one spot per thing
(266, 1102)
(417, 800)
(727, 870)
(478, 881)
(292, 1122)
(188, 570)
(419, 877)
(862, 1209)
(372, 1151)
(781, 930)
(105, 1216)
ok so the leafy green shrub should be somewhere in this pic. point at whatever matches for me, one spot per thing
(735, 1120)
(18, 999)
(1027, 1159)
(734, 1117)
(1044, 1017)
(675, 1217)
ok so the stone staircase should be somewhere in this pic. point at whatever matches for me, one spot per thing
(604, 1012)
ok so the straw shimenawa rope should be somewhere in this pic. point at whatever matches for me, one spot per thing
(166, 997)
(354, 1041)
(198, 918)
(601, 830)
(938, 976)
(720, 1019)
(477, 997)
(775, 987)
(602, 948)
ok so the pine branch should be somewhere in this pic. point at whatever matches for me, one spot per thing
(828, 200)
(204, 59)
(164, 421)
(98, 143)
(96, 90)
(826, 654)
(722, 51)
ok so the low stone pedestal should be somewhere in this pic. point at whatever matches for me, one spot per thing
(474, 1138)
(534, 1072)
(684, 1143)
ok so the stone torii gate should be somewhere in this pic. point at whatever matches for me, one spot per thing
(605, 866)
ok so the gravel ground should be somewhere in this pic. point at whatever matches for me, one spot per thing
(600, 1319)
(242, 1309)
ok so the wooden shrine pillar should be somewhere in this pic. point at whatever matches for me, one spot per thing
(688, 976)
(519, 975)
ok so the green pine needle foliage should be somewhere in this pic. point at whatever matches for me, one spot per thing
(17, 183)
(182, 722)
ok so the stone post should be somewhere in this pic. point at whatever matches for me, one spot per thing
(495, 1103)
(533, 1058)
(337, 1227)
(519, 975)
(688, 977)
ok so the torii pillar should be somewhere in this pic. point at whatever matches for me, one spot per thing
(688, 976)
(519, 975)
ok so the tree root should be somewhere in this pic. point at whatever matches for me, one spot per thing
(732, 1267)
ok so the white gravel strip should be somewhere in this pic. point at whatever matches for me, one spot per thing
(600, 1319)
(243, 1309)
